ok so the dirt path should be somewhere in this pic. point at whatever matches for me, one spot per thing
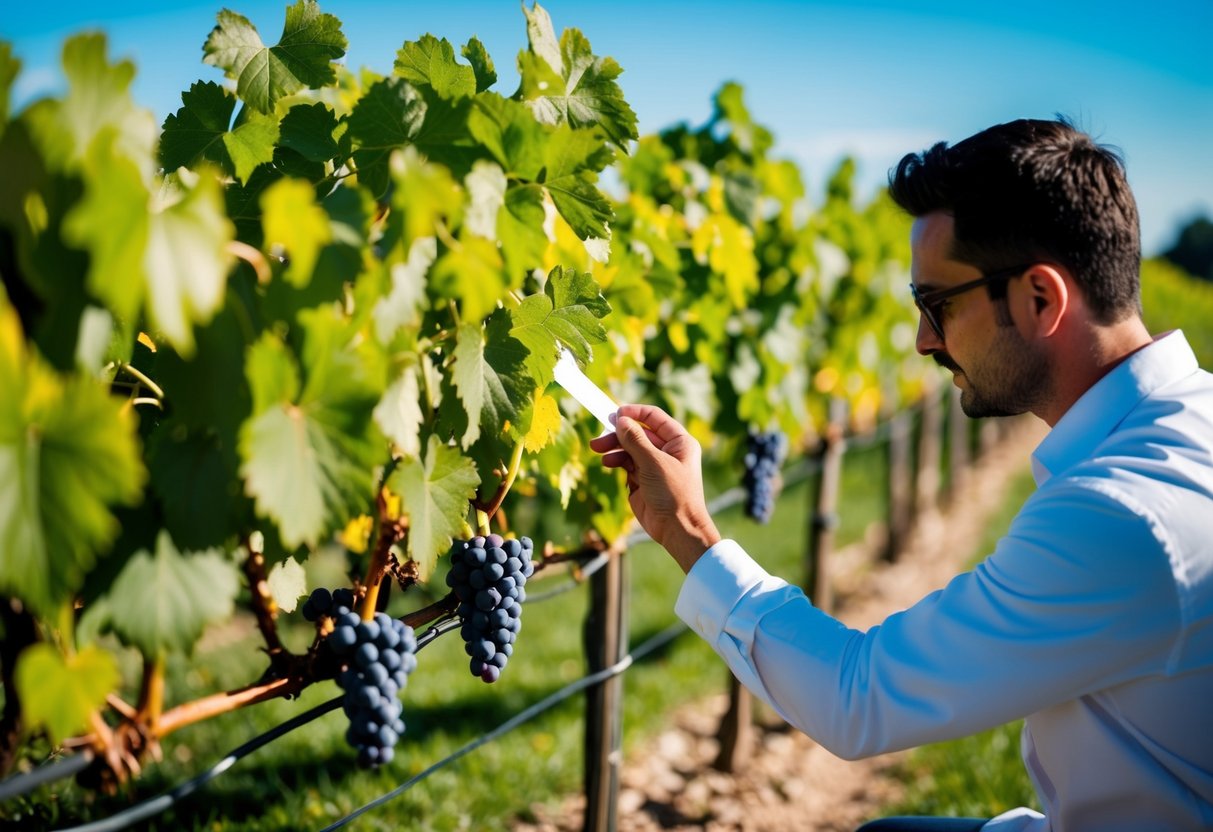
(790, 781)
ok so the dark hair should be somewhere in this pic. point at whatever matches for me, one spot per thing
(1034, 190)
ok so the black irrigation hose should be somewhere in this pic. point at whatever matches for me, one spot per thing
(665, 636)
(19, 784)
(66, 767)
(165, 800)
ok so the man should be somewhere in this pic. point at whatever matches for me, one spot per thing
(1093, 618)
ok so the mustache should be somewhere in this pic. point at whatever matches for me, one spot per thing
(944, 360)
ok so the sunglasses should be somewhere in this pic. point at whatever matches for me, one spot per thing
(930, 304)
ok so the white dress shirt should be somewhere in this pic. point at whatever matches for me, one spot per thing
(1093, 618)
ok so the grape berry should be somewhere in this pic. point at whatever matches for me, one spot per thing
(377, 657)
(764, 454)
(488, 575)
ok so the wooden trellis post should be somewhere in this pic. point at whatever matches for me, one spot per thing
(823, 511)
(606, 643)
(958, 445)
(930, 450)
(900, 483)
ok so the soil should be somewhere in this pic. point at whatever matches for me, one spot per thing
(789, 782)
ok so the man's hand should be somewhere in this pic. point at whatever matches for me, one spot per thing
(665, 481)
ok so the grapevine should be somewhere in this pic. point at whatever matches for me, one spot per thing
(332, 319)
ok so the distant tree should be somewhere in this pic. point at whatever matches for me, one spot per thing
(1193, 251)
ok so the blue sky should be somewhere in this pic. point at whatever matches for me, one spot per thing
(874, 79)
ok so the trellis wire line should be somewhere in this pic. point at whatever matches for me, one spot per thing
(66, 767)
(662, 638)
(164, 801)
(19, 784)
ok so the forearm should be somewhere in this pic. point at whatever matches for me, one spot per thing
(690, 536)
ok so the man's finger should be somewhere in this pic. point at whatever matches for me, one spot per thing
(633, 437)
(665, 426)
(605, 443)
(619, 459)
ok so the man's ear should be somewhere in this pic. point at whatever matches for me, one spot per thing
(1048, 298)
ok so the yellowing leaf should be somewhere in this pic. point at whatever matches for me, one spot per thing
(545, 423)
(59, 693)
(357, 533)
(729, 249)
(292, 219)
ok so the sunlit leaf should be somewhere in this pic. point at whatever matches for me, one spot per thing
(568, 84)
(545, 423)
(157, 603)
(431, 62)
(59, 693)
(294, 222)
(302, 58)
(68, 452)
(434, 492)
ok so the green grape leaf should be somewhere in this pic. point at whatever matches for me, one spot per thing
(568, 84)
(98, 102)
(302, 58)
(472, 274)
(388, 116)
(444, 137)
(308, 129)
(520, 231)
(67, 453)
(186, 261)
(112, 223)
(294, 222)
(423, 195)
(490, 376)
(10, 67)
(485, 186)
(251, 144)
(561, 462)
(402, 305)
(572, 159)
(197, 129)
(511, 134)
(287, 584)
(434, 492)
(162, 601)
(195, 477)
(399, 414)
(60, 693)
(750, 137)
(309, 449)
(431, 62)
(482, 64)
(567, 313)
(167, 254)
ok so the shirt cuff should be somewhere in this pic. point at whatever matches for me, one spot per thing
(721, 577)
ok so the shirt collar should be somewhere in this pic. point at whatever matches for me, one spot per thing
(1099, 410)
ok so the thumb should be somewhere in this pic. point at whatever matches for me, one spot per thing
(634, 439)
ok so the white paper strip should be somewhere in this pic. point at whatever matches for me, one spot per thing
(588, 394)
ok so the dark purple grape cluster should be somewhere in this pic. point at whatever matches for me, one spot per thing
(322, 602)
(764, 454)
(488, 575)
(377, 657)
